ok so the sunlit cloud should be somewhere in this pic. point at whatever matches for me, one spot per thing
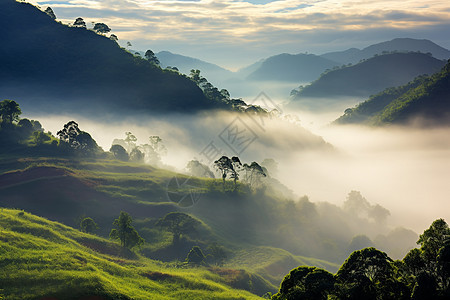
(247, 26)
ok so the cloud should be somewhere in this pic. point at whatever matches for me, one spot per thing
(246, 26)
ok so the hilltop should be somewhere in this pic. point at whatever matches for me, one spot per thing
(427, 98)
(48, 66)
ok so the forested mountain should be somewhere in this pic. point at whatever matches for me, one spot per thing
(370, 76)
(50, 66)
(354, 55)
(185, 64)
(291, 68)
(426, 98)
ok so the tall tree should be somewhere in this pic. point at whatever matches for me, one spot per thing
(125, 232)
(151, 57)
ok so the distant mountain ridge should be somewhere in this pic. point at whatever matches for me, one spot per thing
(185, 64)
(426, 98)
(354, 55)
(293, 68)
(370, 76)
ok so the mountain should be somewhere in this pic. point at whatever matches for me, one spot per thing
(65, 68)
(354, 55)
(214, 73)
(370, 76)
(427, 99)
(291, 68)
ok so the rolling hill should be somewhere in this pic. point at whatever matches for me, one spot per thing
(41, 259)
(291, 68)
(426, 99)
(48, 66)
(354, 55)
(370, 76)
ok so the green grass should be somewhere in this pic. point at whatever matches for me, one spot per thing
(40, 258)
(274, 263)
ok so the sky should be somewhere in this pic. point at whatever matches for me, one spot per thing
(236, 33)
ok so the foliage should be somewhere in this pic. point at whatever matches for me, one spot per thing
(178, 224)
(50, 13)
(151, 57)
(79, 22)
(9, 111)
(125, 232)
(88, 225)
(198, 169)
(101, 28)
(119, 152)
(80, 142)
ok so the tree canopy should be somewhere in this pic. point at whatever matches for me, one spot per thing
(125, 232)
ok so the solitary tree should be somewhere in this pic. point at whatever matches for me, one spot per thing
(178, 224)
(113, 37)
(119, 152)
(125, 232)
(78, 140)
(225, 166)
(88, 225)
(151, 57)
(79, 22)
(101, 28)
(9, 111)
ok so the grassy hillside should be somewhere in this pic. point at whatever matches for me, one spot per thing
(49, 66)
(370, 76)
(427, 98)
(40, 258)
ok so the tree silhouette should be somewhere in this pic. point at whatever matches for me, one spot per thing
(9, 111)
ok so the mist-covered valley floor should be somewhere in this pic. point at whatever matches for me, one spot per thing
(403, 168)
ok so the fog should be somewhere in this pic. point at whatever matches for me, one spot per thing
(404, 169)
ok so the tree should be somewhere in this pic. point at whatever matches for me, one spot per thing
(125, 232)
(119, 152)
(225, 166)
(198, 169)
(306, 283)
(378, 213)
(253, 174)
(9, 111)
(113, 37)
(101, 28)
(50, 13)
(79, 22)
(433, 239)
(178, 224)
(88, 225)
(136, 155)
(130, 140)
(195, 256)
(151, 57)
(77, 140)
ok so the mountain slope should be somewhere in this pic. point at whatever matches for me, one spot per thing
(371, 76)
(292, 68)
(43, 259)
(214, 73)
(354, 55)
(67, 68)
(426, 98)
